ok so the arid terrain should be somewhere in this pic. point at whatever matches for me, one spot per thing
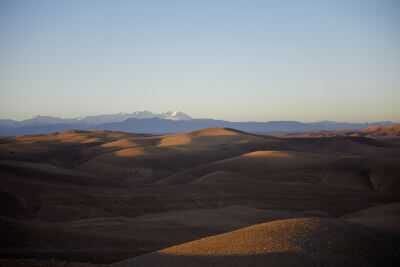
(211, 197)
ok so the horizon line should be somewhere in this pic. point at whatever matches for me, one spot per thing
(204, 118)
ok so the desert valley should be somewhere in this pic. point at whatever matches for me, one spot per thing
(210, 197)
(199, 133)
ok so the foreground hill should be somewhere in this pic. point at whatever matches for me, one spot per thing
(102, 196)
(295, 242)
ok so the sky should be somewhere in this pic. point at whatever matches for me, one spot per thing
(245, 60)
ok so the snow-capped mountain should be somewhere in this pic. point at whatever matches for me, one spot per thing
(166, 122)
(44, 120)
(174, 115)
(98, 119)
(106, 118)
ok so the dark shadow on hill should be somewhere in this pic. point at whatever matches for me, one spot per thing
(278, 259)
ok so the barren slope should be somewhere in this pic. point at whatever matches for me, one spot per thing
(105, 196)
(382, 216)
(295, 242)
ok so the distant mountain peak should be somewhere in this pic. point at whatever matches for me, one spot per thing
(174, 115)
(165, 122)
(103, 118)
(44, 120)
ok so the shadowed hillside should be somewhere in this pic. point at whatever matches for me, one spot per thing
(295, 242)
(101, 196)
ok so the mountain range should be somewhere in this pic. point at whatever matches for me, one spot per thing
(167, 122)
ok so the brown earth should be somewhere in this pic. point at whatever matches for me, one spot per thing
(293, 242)
(102, 197)
(392, 131)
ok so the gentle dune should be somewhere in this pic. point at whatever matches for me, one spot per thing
(216, 132)
(133, 152)
(101, 197)
(384, 131)
(386, 217)
(269, 154)
(295, 242)
(175, 140)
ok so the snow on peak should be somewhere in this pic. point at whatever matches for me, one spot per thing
(174, 115)
(106, 118)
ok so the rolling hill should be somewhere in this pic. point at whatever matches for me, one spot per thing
(294, 242)
(105, 196)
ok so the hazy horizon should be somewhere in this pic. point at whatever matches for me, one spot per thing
(83, 116)
(231, 60)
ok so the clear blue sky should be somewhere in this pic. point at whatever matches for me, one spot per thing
(236, 60)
